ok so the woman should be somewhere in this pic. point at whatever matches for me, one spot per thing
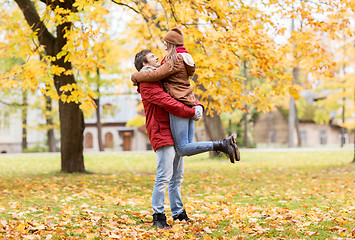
(176, 68)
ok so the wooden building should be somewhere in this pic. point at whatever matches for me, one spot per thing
(271, 130)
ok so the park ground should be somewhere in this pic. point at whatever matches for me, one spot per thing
(268, 195)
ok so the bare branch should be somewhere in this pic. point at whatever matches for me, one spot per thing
(126, 5)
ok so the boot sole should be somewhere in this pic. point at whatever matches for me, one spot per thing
(233, 156)
(236, 149)
(167, 226)
(236, 152)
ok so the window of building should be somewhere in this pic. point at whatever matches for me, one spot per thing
(109, 140)
(346, 137)
(108, 110)
(303, 134)
(4, 122)
(88, 140)
(323, 137)
(272, 136)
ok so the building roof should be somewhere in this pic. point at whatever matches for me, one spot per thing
(117, 108)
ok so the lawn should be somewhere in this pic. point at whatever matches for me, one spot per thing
(276, 195)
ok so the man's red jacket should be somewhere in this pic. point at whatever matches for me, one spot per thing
(157, 103)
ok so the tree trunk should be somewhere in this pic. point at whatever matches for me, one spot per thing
(344, 100)
(24, 121)
(99, 125)
(293, 124)
(293, 121)
(213, 125)
(50, 132)
(354, 150)
(297, 126)
(214, 129)
(98, 113)
(245, 116)
(70, 115)
(246, 142)
(71, 130)
(230, 127)
(51, 140)
(343, 120)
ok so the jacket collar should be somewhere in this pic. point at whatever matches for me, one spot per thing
(147, 68)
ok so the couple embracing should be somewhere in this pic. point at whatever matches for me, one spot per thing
(171, 110)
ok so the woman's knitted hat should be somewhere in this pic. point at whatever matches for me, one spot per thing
(175, 36)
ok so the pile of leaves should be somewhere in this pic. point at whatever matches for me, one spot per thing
(267, 195)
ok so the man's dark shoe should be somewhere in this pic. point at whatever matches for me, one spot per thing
(159, 221)
(181, 216)
(228, 146)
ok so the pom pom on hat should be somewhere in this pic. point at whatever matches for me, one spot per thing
(175, 36)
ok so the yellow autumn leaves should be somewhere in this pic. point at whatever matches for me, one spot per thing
(224, 37)
(270, 195)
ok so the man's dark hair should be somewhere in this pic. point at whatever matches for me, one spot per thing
(141, 58)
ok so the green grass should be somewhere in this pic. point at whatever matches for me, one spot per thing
(288, 195)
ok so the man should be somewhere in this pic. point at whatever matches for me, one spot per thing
(170, 166)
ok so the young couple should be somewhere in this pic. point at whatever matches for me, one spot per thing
(171, 110)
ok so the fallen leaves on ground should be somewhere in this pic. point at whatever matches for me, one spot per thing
(243, 202)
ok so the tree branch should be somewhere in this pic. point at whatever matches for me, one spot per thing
(34, 21)
(323, 3)
(166, 14)
(14, 104)
(126, 5)
(173, 11)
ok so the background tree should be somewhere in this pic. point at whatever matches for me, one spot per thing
(62, 33)
(337, 91)
(220, 35)
(219, 45)
(111, 52)
(50, 124)
(307, 50)
(223, 35)
(5, 65)
(11, 99)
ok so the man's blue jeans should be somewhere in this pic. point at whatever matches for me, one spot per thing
(170, 172)
(170, 164)
(182, 130)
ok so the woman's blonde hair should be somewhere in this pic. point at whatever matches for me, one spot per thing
(172, 54)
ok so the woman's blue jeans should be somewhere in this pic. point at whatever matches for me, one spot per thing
(170, 172)
(183, 130)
